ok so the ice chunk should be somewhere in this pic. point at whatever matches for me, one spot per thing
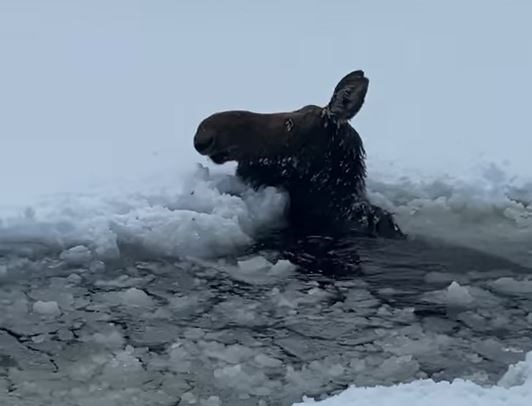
(74, 278)
(211, 401)
(493, 349)
(123, 369)
(49, 308)
(267, 361)
(398, 368)
(245, 382)
(232, 354)
(282, 267)
(39, 338)
(194, 333)
(258, 270)
(77, 256)
(189, 398)
(254, 264)
(512, 286)
(518, 374)
(293, 298)
(179, 358)
(112, 339)
(136, 297)
(458, 295)
(463, 296)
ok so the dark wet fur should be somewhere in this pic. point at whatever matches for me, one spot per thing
(327, 194)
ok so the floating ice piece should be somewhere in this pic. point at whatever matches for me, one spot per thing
(74, 278)
(254, 264)
(513, 286)
(457, 294)
(267, 361)
(232, 354)
(211, 401)
(136, 297)
(282, 267)
(50, 308)
(245, 382)
(112, 339)
(258, 270)
(463, 296)
(77, 256)
(189, 398)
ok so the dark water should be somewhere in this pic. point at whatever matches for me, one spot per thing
(160, 331)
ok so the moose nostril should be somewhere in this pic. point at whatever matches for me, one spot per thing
(203, 143)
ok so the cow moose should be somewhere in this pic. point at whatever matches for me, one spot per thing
(313, 153)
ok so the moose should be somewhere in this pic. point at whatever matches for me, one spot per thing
(313, 153)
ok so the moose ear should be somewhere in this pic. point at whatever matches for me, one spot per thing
(348, 97)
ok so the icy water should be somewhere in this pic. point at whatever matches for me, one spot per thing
(181, 293)
(264, 326)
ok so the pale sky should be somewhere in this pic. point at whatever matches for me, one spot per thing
(105, 89)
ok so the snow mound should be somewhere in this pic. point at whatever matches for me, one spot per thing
(200, 215)
(486, 209)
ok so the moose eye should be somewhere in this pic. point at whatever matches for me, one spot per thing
(289, 124)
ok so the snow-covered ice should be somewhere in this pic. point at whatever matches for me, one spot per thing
(203, 215)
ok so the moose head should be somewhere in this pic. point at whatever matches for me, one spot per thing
(313, 153)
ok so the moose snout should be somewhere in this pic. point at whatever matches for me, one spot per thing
(203, 142)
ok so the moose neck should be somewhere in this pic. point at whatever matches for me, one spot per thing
(327, 186)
